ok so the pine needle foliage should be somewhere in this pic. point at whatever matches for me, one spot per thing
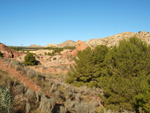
(123, 72)
(30, 59)
(126, 81)
(87, 69)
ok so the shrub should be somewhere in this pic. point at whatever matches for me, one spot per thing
(83, 107)
(6, 99)
(31, 73)
(18, 66)
(30, 60)
(62, 109)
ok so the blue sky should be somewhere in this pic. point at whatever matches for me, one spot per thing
(41, 22)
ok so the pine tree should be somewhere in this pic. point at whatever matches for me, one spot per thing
(127, 75)
(30, 59)
(123, 72)
(86, 72)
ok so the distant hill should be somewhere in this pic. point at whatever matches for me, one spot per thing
(67, 43)
(33, 45)
(108, 41)
(114, 40)
(51, 45)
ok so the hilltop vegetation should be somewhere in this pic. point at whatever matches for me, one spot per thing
(122, 72)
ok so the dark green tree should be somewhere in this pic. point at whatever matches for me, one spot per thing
(123, 72)
(82, 72)
(88, 67)
(30, 59)
(127, 76)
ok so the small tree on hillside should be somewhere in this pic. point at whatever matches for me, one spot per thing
(30, 59)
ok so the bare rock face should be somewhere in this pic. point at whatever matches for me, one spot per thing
(95, 42)
(8, 53)
(114, 40)
(33, 45)
(145, 36)
(80, 47)
(67, 43)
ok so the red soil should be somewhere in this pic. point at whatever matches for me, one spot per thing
(22, 79)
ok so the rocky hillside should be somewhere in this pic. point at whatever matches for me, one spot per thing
(67, 43)
(37, 93)
(63, 44)
(8, 53)
(33, 45)
(114, 40)
(109, 41)
(51, 45)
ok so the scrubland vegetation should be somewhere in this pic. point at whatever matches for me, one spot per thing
(122, 72)
(119, 75)
(56, 49)
(54, 97)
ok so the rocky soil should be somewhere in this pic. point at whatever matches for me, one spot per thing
(114, 40)
(67, 43)
(37, 93)
(8, 53)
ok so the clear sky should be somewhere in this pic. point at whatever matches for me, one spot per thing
(41, 22)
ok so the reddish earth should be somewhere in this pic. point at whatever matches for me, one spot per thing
(8, 53)
(22, 79)
(80, 47)
(49, 64)
(55, 64)
(29, 83)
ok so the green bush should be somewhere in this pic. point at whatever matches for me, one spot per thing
(5, 99)
(30, 59)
